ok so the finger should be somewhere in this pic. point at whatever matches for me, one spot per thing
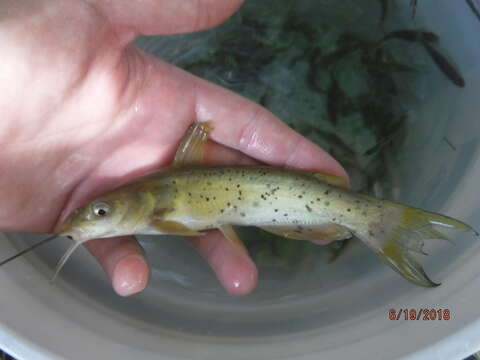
(233, 266)
(238, 123)
(167, 16)
(123, 260)
(216, 154)
(322, 241)
(245, 126)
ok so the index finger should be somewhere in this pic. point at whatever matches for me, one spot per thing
(255, 131)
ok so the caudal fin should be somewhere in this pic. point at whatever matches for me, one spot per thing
(410, 227)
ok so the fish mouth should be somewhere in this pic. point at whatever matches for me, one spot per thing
(73, 232)
(67, 234)
(66, 230)
(77, 235)
(82, 236)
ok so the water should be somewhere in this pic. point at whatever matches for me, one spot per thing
(320, 67)
(298, 289)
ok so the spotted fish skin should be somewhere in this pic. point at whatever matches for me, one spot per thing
(205, 198)
(188, 198)
(296, 204)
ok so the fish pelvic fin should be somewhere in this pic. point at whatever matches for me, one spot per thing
(229, 232)
(395, 243)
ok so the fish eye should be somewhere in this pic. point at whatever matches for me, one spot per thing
(101, 208)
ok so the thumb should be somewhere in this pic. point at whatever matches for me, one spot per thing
(151, 17)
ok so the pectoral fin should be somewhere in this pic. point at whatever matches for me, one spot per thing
(173, 228)
(326, 231)
(192, 146)
(231, 235)
(332, 180)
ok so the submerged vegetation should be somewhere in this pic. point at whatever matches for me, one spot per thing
(331, 71)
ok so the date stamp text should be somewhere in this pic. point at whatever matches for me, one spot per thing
(419, 314)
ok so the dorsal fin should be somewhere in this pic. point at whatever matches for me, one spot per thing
(192, 146)
(331, 179)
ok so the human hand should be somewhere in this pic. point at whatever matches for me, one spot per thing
(84, 110)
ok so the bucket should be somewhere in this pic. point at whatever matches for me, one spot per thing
(355, 308)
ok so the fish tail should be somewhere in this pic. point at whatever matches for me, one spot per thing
(396, 242)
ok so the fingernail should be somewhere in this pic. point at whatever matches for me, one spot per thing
(243, 284)
(130, 275)
(240, 278)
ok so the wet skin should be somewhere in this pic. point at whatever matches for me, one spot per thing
(83, 110)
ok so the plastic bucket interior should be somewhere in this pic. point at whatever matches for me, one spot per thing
(334, 311)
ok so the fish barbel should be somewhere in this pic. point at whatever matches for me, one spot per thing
(187, 199)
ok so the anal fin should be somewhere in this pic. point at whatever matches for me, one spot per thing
(326, 232)
(336, 253)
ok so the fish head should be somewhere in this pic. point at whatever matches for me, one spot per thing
(113, 214)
